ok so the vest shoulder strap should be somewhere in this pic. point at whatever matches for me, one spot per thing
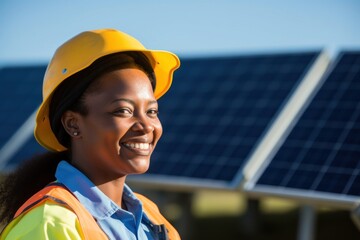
(60, 195)
(153, 213)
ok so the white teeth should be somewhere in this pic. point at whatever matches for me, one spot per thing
(143, 146)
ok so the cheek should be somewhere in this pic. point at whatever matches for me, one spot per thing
(157, 129)
(103, 130)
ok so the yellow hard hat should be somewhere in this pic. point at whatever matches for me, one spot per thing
(80, 52)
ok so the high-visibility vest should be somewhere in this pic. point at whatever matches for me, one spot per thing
(58, 194)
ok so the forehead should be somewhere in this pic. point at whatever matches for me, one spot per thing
(125, 82)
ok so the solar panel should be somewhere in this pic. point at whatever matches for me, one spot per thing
(217, 111)
(21, 94)
(320, 157)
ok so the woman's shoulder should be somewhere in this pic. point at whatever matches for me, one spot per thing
(45, 221)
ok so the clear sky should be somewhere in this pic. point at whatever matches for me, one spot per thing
(31, 30)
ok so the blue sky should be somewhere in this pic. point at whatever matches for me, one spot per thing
(30, 31)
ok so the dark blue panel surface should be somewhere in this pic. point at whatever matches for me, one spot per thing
(219, 108)
(21, 93)
(322, 152)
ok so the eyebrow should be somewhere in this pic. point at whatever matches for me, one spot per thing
(131, 101)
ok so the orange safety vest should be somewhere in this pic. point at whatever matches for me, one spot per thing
(90, 229)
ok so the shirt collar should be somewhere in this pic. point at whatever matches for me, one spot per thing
(95, 201)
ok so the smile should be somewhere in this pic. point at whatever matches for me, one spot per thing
(141, 146)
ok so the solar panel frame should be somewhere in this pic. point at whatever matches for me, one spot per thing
(319, 64)
(252, 187)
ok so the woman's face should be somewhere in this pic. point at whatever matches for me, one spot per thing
(121, 129)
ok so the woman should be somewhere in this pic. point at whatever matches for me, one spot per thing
(99, 119)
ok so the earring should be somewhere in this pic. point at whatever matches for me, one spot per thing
(75, 133)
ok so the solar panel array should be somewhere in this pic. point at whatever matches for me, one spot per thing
(320, 158)
(216, 112)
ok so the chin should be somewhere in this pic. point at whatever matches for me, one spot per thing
(137, 172)
(143, 170)
(140, 168)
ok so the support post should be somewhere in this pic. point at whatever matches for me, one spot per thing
(251, 221)
(306, 227)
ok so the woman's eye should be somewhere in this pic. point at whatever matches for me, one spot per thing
(153, 112)
(122, 111)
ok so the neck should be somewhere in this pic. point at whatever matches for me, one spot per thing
(111, 186)
(113, 189)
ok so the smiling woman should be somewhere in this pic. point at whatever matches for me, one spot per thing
(99, 120)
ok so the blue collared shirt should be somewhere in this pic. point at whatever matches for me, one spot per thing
(117, 223)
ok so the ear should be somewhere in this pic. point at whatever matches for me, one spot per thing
(70, 122)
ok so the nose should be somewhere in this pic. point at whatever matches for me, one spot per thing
(143, 125)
